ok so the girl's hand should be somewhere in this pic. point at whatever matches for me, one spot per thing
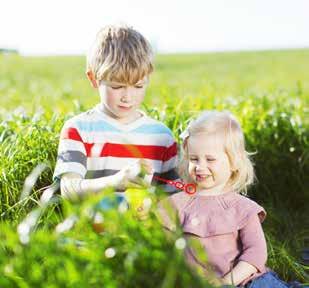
(142, 213)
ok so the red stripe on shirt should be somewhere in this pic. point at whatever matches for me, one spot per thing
(71, 133)
(125, 150)
(133, 151)
(170, 152)
(88, 147)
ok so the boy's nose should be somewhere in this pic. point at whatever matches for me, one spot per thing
(128, 95)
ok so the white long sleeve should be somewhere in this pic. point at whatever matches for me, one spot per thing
(72, 185)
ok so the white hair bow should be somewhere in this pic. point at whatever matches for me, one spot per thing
(184, 135)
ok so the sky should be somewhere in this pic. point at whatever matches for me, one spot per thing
(62, 27)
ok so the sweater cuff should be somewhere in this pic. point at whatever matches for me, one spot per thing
(252, 259)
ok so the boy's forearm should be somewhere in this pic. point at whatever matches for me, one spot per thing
(239, 273)
(74, 186)
(98, 184)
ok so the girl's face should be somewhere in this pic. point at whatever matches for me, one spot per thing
(209, 165)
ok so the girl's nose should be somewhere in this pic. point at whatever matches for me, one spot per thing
(201, 167)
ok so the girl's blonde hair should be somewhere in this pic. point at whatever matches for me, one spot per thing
(120, 54)
(226, 125)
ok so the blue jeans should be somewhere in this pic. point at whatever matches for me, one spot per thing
(111, 202)
(271, 280)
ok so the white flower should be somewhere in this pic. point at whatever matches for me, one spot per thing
(180, 243)
(110, 252)
(184, 135)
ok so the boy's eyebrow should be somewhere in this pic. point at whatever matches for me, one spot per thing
(113, 83)
(142, 81)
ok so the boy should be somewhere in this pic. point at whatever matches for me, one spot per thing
(112, 143)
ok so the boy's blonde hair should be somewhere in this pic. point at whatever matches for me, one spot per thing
(226, 125)
(120, 54)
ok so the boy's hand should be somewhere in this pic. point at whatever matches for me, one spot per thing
(135, 173)
(138, 169)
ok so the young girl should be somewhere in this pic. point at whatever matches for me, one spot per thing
(227, 224)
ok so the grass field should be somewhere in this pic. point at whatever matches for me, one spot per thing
(267, 91)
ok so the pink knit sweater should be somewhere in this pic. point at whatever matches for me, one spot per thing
(228, 227)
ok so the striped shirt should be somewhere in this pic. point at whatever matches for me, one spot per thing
(93, 144)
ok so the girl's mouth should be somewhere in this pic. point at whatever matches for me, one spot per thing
(202, 177)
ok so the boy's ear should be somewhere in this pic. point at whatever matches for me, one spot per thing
(91, 78)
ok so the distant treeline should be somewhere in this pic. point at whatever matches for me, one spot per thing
(3, 50)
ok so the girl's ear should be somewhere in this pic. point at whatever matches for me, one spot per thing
(91, 78)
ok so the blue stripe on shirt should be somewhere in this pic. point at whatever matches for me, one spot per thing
(153, 129)
(89, 126)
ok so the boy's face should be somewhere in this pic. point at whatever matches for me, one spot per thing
(121, 101)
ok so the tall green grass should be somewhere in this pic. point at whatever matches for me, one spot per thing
(267, 91)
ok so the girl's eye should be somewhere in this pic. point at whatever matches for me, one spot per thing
(211, 160)
(116, 87)
(139, 86)
(193, 159)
